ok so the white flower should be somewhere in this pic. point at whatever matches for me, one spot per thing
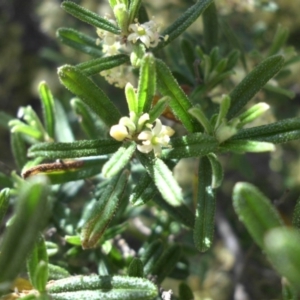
(147, 33)
(155, 139)
(118, 76)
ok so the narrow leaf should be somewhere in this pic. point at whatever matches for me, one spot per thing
(48, 108)
(279, 40)
(278, 132)
(65, 171)
(73, 150)
(89, 17)
(103, 211)
(192, 145)
(184, 21)
(206, 206)
(18, 149)
(4, 202)
(147, 83)
(163, 179)
(119, 159)
(144, 191)
(217, 170)
(181, 213)
(90, 93)
(96, 287)
(296, 215)
(282, 248)
(37, 265)
(159, 107)
(135, 269)
(63, 130)
(86, 118)
(180, 104)
(133, 10)
(210, 27)
(255, 211)
(166, 263)
(185, 292)
(242, 146)
(97, 65)
(150, 256)
(30, 215)
(253, 82)
(79, 41)
(57, 272)
(131, 98)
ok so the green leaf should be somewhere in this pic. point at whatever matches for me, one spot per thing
(87, 119)
(206, 206)
(180, 104)
(63, 130)
(188, 51)
(119, 159)
(163, 179)
(282, 248)
(296, 215)
(73, 150)
(253, 82)
(31, 213)
(48, 108)
(217, 170)
(97, 65)
(150, 255)
(18, 149)
(56, 272)
(199, 115)
(278, 132)
(279, 40)
(185, 292)
(252, 113)
(242, 146)
(184, 21)
(5, 119)
(96, 287)
(210, 26)
(18, 126)
(143, 191)
(133, 10)
(255, 210)
(181, 213)
(89, 17)
(37, 265)
(103, 211)
(79, 41)
(79, 84)
(131, 98)
(147, 83)
(192, 145)
(280, 91)
(65, 171)
(158, 108)
(166, 263)
(135, 268)
(4, 202)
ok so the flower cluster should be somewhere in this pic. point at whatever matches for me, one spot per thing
(147, 136)
(113, 44)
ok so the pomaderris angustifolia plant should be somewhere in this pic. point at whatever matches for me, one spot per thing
(196, 111)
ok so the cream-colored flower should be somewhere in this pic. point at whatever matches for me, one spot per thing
(147, 33)
(155, 138)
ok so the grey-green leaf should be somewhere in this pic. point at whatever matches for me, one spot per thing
(89, 17)
(206, 206)
(79, 84)
(73, 150)
(255, 210)
(79, 41)
(96, 287)
(253, 82)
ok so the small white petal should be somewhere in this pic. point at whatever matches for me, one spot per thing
(145, 148)
(157, 128)
(145, 135)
